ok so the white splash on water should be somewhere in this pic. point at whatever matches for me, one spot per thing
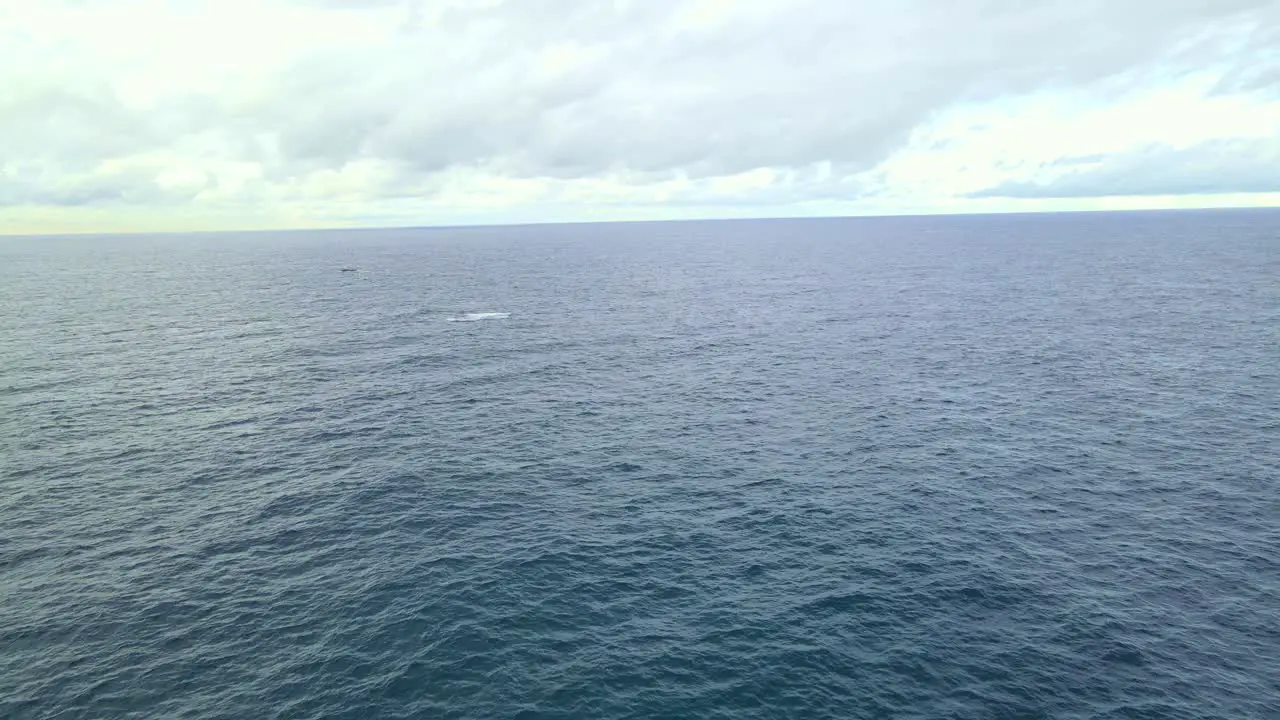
(477, 316)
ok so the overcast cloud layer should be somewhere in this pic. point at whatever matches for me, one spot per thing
(189, 114)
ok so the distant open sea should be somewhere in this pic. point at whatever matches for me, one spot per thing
(948, 467)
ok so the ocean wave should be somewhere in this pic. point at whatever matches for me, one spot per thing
(478, 316)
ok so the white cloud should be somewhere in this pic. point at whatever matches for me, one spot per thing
(245, 112)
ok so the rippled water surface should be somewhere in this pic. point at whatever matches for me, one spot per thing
(983, 467)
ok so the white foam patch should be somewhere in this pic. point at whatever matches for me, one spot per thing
(477, 316)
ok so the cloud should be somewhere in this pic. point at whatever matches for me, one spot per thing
(641, 87)
(1212, 168)
(1258, 43)
(460, 107)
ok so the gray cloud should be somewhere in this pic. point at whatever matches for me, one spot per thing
(1220, 167)
(71, 123)
(559, 89)
(136, 185)
(1261, 46)
(818, 82)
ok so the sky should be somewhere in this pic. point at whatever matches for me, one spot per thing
(181, 115)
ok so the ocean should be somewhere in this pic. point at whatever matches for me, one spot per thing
(1020, 466)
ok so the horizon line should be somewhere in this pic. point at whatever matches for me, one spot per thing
(650, 221)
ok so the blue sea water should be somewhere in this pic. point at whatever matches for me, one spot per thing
(953, 467)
